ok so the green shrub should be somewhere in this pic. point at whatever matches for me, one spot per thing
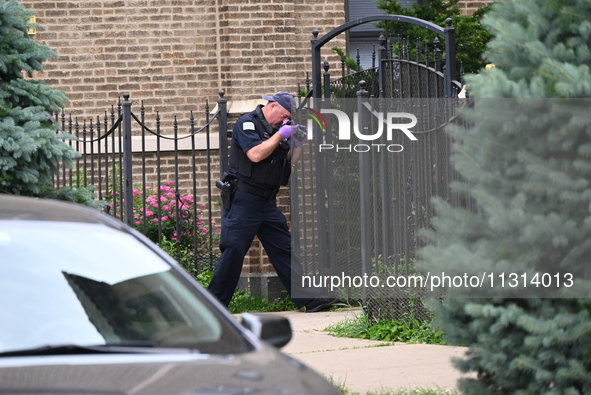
(192, 262)
(524, 159)
(31, 149)
(243, 301)
(470, 36)
(407, 331)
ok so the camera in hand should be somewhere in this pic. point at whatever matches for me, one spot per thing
(300, 134)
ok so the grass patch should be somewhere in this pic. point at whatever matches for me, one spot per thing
(243, 301)
(406, 331)
(413, 391)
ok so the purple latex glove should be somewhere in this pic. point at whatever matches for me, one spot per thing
(300, 135)
(286, 131)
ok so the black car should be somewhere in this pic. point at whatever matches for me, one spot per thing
(90, 306)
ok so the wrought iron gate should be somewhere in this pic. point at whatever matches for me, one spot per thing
(357, 208)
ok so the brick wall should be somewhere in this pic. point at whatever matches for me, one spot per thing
(469, 6)
(173, 54)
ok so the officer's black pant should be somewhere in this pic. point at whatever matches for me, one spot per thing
(251, 215)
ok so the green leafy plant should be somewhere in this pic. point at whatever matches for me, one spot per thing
(244, 301)
(411, 391)
(471, 38)
(192, 262)
(81, 195)
(350, 63)
(407, 331)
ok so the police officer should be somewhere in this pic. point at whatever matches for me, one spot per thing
(260, 161)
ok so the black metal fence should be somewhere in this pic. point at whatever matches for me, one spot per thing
(155, 175)
(360, 208)
(361, 205)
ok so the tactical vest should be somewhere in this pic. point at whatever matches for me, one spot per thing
(270, 172)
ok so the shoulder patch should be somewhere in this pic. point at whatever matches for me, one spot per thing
(248, 126)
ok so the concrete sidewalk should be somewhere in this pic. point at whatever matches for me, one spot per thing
(366, 365)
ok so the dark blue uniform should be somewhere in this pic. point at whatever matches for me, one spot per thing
(254, 211)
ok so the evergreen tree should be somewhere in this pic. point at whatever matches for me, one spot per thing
(471, 37)
(526, 163)
(30, 148)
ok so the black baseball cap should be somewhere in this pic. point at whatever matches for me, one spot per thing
(284, 99)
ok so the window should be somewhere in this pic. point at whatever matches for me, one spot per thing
(363, 37)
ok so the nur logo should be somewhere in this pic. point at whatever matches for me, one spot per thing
(389, 122)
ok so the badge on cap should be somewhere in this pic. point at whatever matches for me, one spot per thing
(248, 126)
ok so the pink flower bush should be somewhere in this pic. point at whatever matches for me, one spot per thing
(162, 213)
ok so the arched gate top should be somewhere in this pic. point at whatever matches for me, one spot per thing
(375, 18)
(447, 32)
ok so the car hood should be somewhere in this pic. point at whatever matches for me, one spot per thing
(264, 371)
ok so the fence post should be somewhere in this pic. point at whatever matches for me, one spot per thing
(383, 58)
(316, 73)
(127, 160)
(450, 57)
(326, 82)
(223, 126)
(364, 189)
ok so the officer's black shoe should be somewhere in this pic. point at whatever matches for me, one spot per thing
(322, 302)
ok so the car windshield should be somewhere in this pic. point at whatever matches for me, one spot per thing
(85, 284)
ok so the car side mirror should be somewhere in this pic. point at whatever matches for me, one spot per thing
(272, 328)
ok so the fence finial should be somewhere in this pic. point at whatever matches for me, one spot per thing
(436, 54)
(126, 96)
(382, 41)
(362, 86)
